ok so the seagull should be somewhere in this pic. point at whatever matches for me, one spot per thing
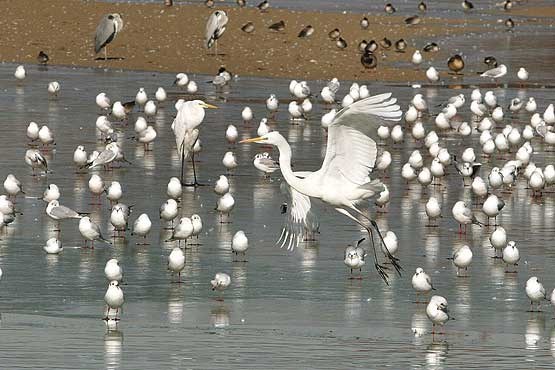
(522, 74)
(464, 215)
(53, 246)
(462, 259)
(96, 186)
(114, 192)
(176, 262)
(13, 186)
(197, 225)
(45, 135)
(231, 134)
(265, 163)
(54, 88)
(511, 255)
(51, 193)
(142, 226)
(113, 270)
(114, 299)
(33, 131)
(495, 73)
(174, 189)
(182, 231)
(535, 292)
(492, 206)
(107, 156)
(354, 258)
(20, 73)
(433, 210)
(58, 212)
(239, 244)
(222, 185)
(432, 74)
(169, 211)
(90, 231)
(225, 205)
(103, 101)
(437, 311)
(247, 115)
(220, 282)
(160, 95)
(35, 160)
(421, 283)
(229, 161)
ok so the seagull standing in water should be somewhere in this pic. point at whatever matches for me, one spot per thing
(215, 27)
(343, 180)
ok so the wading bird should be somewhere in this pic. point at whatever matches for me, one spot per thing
(106, 31)
(189, 116)
(215, 27)
(343, 180)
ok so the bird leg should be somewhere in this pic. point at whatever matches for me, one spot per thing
(106, 52)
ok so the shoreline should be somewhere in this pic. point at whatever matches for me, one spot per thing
(170, 39)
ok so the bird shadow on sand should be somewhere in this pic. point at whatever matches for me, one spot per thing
(110, 58)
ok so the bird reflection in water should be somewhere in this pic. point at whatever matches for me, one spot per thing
(113, 343)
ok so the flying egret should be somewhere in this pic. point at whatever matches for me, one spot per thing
(189, 116)
(215, 27)
(343, 180)
(110, 25)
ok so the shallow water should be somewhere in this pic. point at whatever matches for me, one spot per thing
(284, 309)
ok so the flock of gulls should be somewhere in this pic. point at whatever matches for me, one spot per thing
(362, 129)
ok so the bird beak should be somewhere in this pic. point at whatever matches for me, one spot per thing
(206, 105)
(253, 140)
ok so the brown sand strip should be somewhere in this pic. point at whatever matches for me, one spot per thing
(170, 39)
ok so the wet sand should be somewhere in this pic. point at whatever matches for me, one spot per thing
(171, 39)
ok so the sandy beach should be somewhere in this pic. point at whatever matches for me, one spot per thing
(173, 42)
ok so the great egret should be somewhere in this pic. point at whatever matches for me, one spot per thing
(189, 116)
(215, 27)
(106, 31)
(343, 180)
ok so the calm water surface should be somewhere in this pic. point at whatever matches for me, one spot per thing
(284, 309)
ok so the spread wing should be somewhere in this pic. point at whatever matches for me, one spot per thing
(351, 149)
(299, 216)
(105, 32)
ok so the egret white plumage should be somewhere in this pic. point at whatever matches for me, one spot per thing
(189, 116)
(351, 153)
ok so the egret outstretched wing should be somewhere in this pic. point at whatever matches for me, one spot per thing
(351, 149)
(299, 216)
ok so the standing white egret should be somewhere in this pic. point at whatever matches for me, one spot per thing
(189, 116)
(106, 32)
(343, 180)
(215, 27)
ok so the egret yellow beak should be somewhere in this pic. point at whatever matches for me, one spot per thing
(206, 105)
(253, 140)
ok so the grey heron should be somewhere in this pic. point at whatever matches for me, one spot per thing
(215, 27)
(110, 25)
